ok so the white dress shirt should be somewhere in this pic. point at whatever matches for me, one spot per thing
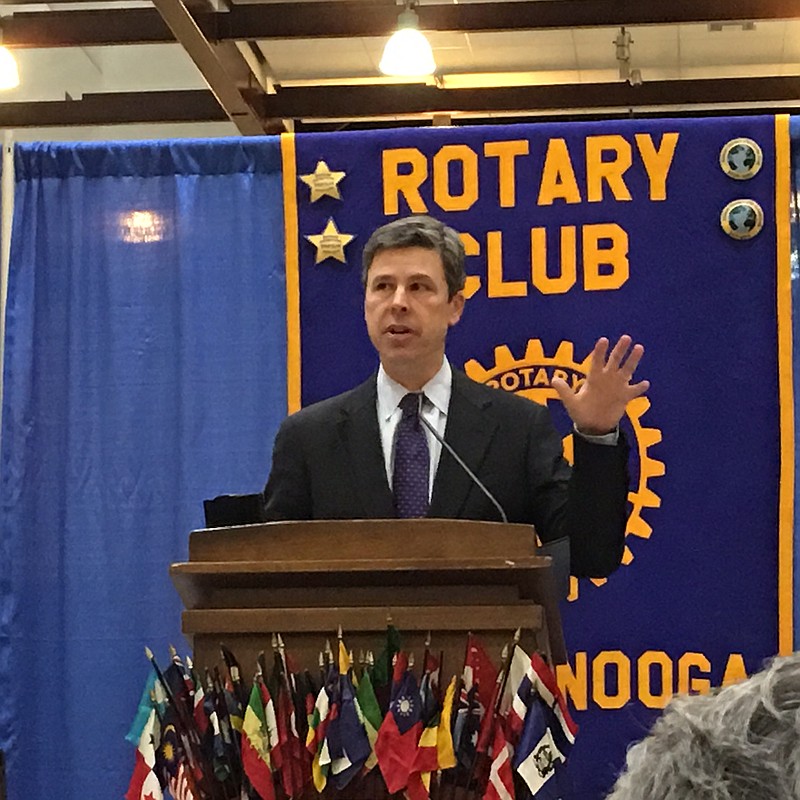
(437, 400)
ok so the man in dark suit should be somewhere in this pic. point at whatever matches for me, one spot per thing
(348, 456)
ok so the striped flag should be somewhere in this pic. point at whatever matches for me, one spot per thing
(500, 785)
(540, 680)
(181, 785)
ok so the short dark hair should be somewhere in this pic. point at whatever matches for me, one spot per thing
(420, 231)
(738, 743)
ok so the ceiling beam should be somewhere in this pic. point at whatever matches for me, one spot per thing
(351, 18)
(81, 28)
(352, 103)
(115, 108)
(208, 62)
(346, 19)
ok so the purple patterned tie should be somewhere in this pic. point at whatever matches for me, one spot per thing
(411, 461)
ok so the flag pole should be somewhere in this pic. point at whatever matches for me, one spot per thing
(223, 714)
(235, 673)
(188, 728)
(507, 671)
(506, 659)
(499, 686)
(454, 714)
(214, 697)
(193, 732)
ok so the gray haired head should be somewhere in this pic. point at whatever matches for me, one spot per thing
(738, 743)
(420, 231)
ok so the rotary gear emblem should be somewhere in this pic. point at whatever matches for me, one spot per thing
(530, 377)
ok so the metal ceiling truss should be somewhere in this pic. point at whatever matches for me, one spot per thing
(219, 67)
(221, 44)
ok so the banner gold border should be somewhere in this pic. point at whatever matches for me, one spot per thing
(290, 234)
(785, 389)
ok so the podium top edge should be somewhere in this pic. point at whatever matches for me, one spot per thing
(354, 539)
(373, 566)
(332, 524)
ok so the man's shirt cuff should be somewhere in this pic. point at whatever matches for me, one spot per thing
(605, 438)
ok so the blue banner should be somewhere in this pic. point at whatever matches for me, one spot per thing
(675, 231)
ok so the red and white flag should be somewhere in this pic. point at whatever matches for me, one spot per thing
(500, 785)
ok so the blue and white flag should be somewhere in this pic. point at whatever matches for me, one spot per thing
(542, 751)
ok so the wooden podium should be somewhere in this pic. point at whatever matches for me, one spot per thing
(305, 579)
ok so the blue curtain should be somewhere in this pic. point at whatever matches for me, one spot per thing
(144, 372)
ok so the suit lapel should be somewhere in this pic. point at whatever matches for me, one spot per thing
(358, 430)
(469, 430)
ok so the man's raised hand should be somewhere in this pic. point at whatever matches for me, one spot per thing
(599, 403)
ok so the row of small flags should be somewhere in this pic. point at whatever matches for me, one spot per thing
(498, 734)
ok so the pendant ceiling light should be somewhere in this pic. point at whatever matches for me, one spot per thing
(9, 72)
(408, 52)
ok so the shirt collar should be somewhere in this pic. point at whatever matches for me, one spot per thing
(437, 390)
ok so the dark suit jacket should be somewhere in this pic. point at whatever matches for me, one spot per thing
(328, 464)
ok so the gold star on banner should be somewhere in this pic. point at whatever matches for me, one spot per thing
(322, 181)
(330, 243)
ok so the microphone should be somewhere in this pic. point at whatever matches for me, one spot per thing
(460, 461)
(558, 550)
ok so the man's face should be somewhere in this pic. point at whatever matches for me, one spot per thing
(408, 312)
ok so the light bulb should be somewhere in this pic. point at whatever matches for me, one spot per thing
(408, 52)
(9, 72)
